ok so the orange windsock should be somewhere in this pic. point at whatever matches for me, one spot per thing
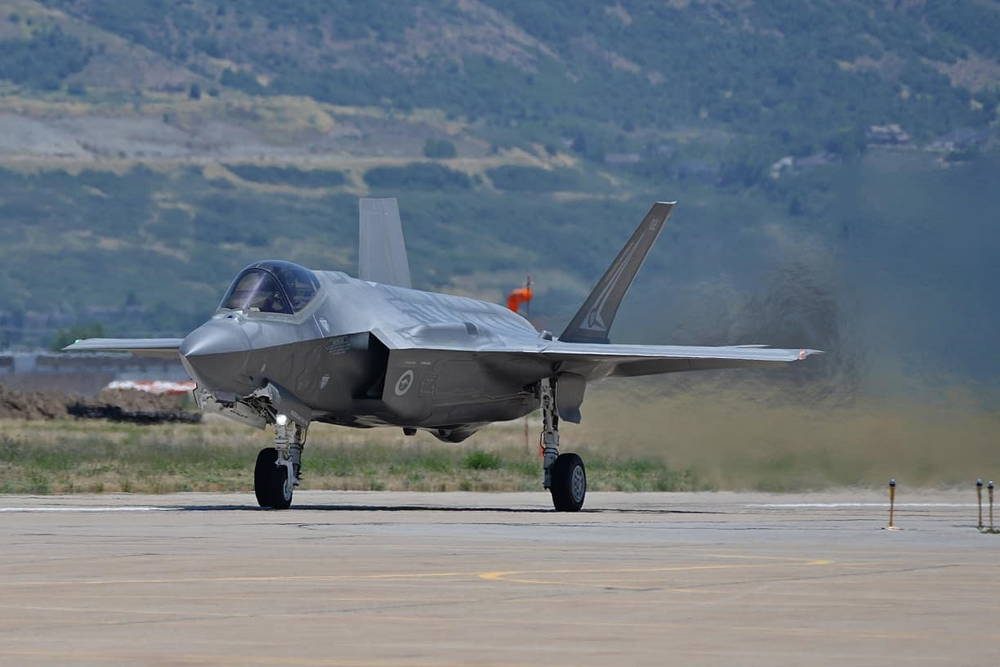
(517, 297)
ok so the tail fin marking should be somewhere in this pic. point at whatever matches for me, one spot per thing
(593, 321)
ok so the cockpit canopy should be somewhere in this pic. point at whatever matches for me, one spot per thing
(272, 287)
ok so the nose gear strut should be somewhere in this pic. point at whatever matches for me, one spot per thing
(279, 468)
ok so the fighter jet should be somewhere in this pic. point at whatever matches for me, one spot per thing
(289, 346)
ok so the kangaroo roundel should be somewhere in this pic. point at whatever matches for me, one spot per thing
(404, 383)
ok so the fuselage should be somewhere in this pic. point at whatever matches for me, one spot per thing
(362, 354)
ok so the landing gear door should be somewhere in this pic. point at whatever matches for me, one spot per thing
(570, 388)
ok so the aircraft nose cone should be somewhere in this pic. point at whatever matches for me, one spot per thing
(216, 354)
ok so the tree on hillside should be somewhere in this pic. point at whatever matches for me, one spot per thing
(439, 149)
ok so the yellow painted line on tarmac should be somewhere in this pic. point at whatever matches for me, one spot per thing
(515, 576)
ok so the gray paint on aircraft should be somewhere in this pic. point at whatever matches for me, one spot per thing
(381, 250)
(362, 353)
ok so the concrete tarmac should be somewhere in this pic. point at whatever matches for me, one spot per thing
(350, 578)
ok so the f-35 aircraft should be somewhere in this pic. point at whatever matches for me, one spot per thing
(290, 346)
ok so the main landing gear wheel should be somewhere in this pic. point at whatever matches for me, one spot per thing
(563, 474)
(569, 483)
(270, 481)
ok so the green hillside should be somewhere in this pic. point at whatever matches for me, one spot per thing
(792, 76)
(833, 161)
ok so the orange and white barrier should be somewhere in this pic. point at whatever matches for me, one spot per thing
(158, 387)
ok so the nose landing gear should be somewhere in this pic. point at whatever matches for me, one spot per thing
(279, 468)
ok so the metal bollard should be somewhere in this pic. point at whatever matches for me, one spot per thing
(990, 489)
(892, 502)
(979, 496)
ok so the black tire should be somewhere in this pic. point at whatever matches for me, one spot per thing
(269, 481)
(569, 483)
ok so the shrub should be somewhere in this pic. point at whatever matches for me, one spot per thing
(300, 178)
(418, 176)
(439, 149)
(533, 179)
(479, 460)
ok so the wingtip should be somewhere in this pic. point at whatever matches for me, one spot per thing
(806, 353)
(667, 203)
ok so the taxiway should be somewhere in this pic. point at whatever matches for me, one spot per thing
(348, 578)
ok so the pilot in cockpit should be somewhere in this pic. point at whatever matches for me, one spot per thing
(271, 287)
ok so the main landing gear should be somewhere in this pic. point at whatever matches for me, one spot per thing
(564, 474)
(279, 468)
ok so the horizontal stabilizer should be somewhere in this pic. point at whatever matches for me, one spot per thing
(382, 251)
(632, 360)
(141, 347)
(593, 321)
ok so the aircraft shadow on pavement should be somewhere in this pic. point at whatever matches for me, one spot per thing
(426, 508)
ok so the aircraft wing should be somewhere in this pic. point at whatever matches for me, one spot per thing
(537, 357)
(594, 360)
(140, 347)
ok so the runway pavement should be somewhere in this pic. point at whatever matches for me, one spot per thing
(353, 578)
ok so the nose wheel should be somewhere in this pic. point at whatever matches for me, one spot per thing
(270, 481)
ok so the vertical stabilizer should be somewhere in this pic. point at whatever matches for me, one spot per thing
(593, 321)
(382, 251)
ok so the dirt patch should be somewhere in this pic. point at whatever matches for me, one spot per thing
(31, 404)
(115, 404)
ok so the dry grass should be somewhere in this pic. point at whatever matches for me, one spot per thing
(697, 440)
(736, 441)
(65, 456)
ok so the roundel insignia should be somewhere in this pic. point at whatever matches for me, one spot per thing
(404, 383)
